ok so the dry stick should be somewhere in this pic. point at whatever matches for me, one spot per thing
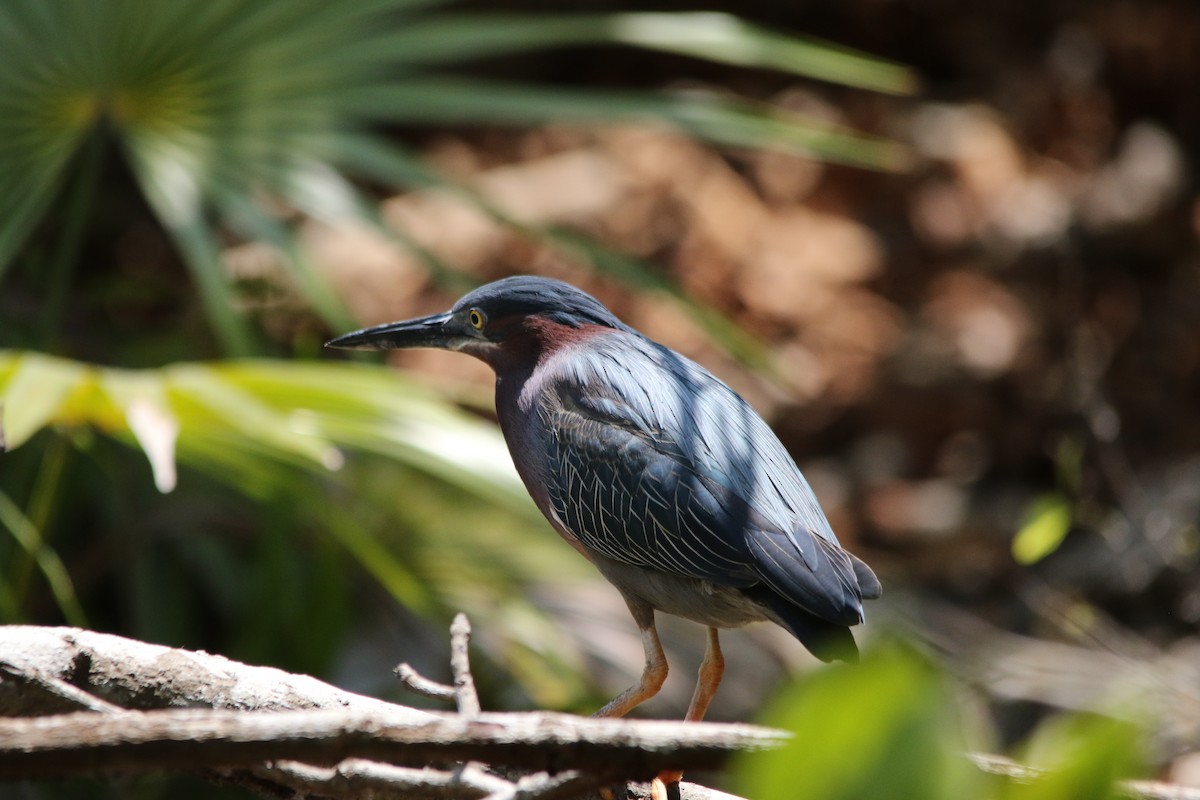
(564, 785)
(465, 696)
(542, 785)
(463, 693)
(355, 778)
(539, 786)
(51, 661)
(466, 699)
(1157, 790)
(417, 683)
(86, 743)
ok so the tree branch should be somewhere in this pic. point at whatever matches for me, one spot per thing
(87, 743)
(355, 777)
(125, 674)
(318, 740)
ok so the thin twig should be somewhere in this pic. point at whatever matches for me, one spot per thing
(465, 696)
(417, 683)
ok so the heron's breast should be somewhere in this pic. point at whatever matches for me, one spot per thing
(691, 598)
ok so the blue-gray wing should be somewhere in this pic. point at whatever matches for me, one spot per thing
(654, 462)
(633, 499)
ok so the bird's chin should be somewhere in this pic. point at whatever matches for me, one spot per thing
(483, 350)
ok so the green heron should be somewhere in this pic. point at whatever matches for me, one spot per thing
(652, 468)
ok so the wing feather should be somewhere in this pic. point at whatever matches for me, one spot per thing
(687, 479)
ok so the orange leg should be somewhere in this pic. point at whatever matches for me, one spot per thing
(711, 670)
(653, 676)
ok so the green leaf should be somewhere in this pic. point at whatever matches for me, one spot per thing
(377, 410)
(142, 399)
(738, 123)
(887, 728)
(711, 36)
(1047, 522)
(241, 420)
(1083, 757)
(30, 539)
(33, 391)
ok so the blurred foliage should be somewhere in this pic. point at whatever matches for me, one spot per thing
(893, 728)
(240, 419)
(1047, 522)
(217, 105)
(888, 728)
(1048, 517)
(1081, 755)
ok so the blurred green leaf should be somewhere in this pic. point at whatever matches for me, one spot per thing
(887, 728)
(1047, 522)
(241, 418)
(737, 123)
(712, 36)
(1082, 757)
(35, 389)
(48, 563)
(143, 401)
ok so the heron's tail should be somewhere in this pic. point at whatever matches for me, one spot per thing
(827, 641)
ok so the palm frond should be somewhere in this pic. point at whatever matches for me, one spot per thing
(244, 418)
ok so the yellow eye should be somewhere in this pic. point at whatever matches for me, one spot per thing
(476, 319)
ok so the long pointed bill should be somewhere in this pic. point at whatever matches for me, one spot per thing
(431, 331)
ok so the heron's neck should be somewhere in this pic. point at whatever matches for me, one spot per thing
(530, 361)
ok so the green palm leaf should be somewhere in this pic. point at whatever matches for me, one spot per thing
(712, 36)
(252, 416)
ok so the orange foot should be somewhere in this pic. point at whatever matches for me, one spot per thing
(666, 785)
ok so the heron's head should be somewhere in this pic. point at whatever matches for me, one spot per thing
(503, 318)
